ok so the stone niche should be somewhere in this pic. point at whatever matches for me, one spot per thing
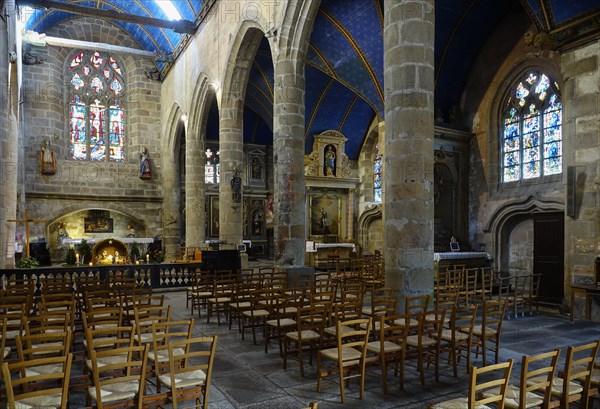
(328, 157)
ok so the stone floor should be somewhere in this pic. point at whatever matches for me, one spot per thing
(245, 377)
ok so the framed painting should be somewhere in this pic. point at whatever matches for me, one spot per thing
(98, 224)
(324, 215)
(213, 226)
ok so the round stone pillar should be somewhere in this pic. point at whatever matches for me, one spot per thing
(170, 213)
(195, 159)
(409, 135)
(288, 163)
(231, 160)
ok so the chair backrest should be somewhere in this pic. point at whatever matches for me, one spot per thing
(4, 350)
(165, 333)
(106, 374)
(111, 337)
(393, 329)
(50, 322)
(44, 345)
(463, 319)
(353, 334)
(579, 365)
(534, 284)
(197, 359)
(537, 373)
(312, 318)
(493, 316)
(492, 388)
(416, 304)
(146, 316)
(36, 388)
(103, 317)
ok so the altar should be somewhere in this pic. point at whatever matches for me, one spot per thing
(114, 250)
(318, 253)
(468, 258)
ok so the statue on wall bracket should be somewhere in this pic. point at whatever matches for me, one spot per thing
(47, 158)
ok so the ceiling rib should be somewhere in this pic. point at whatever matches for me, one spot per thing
(179, 26)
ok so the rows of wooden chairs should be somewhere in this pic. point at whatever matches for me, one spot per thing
(120, 335)
(540, 383)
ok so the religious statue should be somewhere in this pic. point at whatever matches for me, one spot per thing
(131, 231)
(62, 234)
(329, 161)
(270, 212)
(236, 186)
(257, 223)
(47, 159)
(323, 221)
(256, 169)
(145, 169)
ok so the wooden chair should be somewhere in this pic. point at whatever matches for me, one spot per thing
(4, 349)
(534, 388)
(487, 334)
(390, 346)
(260, 311)
(241, 300)
(145, 317)
(349, 354)
(190, 372)
(120, 384)
(531, 297)
(467, 293)
(574, 383)
(31, 389)
(458, 339)
(223, 288)
(485, 290)
(164, 333)
(426, 343)
(45, 345)
(285, 308)
(310, 321)
(492, 377)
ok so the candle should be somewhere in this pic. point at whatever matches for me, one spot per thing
(77, 258)
(91, 264)
(147, 258)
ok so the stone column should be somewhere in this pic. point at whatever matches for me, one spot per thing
(408, 178)
(195, 159)
(288, 163)
(9, 136)
(170, 212)
(231, 160)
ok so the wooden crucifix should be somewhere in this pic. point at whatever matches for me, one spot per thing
(27, 220)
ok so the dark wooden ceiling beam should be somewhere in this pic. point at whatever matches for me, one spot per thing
(179, 26)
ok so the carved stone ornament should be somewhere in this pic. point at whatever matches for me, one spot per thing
(346, 170)
(311, 164)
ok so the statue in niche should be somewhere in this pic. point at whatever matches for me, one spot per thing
(330, 161)
(236, 186)
(270, 212)
(131, 231)
(145, 169)
(47, 159)
(257, 222)
(256, 169)
(62, 234)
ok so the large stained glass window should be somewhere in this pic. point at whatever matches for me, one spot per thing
(377, 176)
(96, 113)
(531, 129)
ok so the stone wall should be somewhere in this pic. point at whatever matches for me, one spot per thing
(581, 70)
(79, 185)
(491, 204)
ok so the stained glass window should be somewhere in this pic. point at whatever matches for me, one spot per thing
(377, 176)
(531, 142)
(211, 169)
(96, 112)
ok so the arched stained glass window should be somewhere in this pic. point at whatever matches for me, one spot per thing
(96, 112)
(212, 173)
(531, 142)
(377, 176)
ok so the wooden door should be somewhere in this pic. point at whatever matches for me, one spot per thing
(548, 255)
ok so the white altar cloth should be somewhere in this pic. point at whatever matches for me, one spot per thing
(461, 255)
(126, 240)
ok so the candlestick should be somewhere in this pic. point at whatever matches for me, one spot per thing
(91, 264)
(147, 258)
(77, 258)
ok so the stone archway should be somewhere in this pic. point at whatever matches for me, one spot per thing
(370, 229)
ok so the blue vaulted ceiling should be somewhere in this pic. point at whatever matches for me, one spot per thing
(344, 70)
(148, 37)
